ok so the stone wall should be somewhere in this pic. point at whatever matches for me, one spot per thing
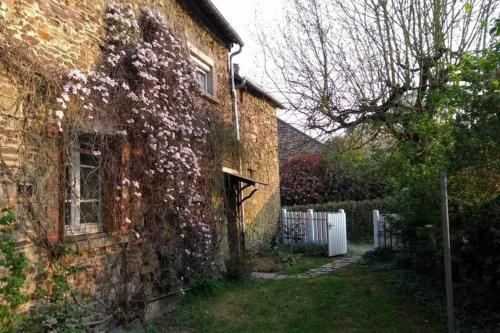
(294, 142)
(10, 115)
(67, 34)
(260, 162)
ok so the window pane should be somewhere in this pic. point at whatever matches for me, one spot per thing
(202, 80)
(88, 159)
(87, 141)
(89, 183)
(67, 213)
(85, 169)
(68, 183)
(89, 212)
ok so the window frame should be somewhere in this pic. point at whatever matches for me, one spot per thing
(73, 170)
(205, 66)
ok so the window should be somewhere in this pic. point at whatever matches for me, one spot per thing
(83, 208)
(203, 79)
(204, 69)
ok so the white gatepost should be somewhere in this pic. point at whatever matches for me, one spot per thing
(310, 226)
(376, 217)
(284, 219)
(344, 239)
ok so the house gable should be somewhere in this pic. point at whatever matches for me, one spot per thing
(293, 141)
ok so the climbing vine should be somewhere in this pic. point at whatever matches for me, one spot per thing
(160, 146)
(142, 94)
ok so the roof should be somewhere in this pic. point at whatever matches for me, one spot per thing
(212, 18)
(243, 179)
(207, 13)
(299, 132)
(295, 129)
(257, 90)
(293, 142)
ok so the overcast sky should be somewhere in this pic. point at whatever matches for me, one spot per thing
(246, 17)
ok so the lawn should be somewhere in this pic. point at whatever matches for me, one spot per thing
(348, 300)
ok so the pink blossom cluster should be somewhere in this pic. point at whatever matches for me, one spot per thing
(143, 89)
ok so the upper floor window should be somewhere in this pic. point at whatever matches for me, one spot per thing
(204, 69)
(84, 179)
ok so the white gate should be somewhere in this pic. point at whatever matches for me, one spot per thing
(337, 234)
(320, 228)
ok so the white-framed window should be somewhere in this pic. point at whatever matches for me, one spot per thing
(204, 69)
(84, 180)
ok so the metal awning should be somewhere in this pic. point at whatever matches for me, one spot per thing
(245, 180)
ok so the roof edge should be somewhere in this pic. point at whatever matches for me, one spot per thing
(259, 91)
(214, 20)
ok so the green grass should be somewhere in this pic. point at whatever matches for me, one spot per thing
(303, 264)
(348, 300)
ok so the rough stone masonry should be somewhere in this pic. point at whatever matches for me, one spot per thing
(67, 34)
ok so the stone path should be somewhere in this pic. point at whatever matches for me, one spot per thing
(322, 270)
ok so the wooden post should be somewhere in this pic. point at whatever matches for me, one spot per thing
(447, 252)
(376, 215)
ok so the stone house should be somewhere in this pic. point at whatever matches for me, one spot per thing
(68, 35)
(292, 141)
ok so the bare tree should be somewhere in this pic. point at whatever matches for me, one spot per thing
(343, 64)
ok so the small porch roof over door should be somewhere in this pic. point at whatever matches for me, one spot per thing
(248, 182)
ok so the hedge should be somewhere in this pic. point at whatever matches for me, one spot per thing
(359, 215)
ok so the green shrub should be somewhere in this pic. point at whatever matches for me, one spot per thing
(309, 250)
(237, 269)
(12, 271)
(359, 215)
(379, 255)
(207, 286)
(57, 309)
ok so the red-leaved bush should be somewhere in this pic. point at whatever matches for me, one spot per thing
(309, 179)
(303, 179)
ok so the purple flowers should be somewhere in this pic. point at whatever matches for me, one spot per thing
(142, 92)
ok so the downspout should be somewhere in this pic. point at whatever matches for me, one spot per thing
(236, 124)
(236, 115)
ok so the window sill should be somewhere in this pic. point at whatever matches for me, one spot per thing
(94, 241)
(211, 98)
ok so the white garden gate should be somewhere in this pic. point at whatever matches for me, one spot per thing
(323, 228)
(337, 233)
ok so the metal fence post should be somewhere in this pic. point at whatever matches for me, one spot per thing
(376, 216)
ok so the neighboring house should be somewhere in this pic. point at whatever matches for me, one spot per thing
(68, 34)
(292, 141)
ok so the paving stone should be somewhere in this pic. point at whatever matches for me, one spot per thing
(258, 275)
(314, 272)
